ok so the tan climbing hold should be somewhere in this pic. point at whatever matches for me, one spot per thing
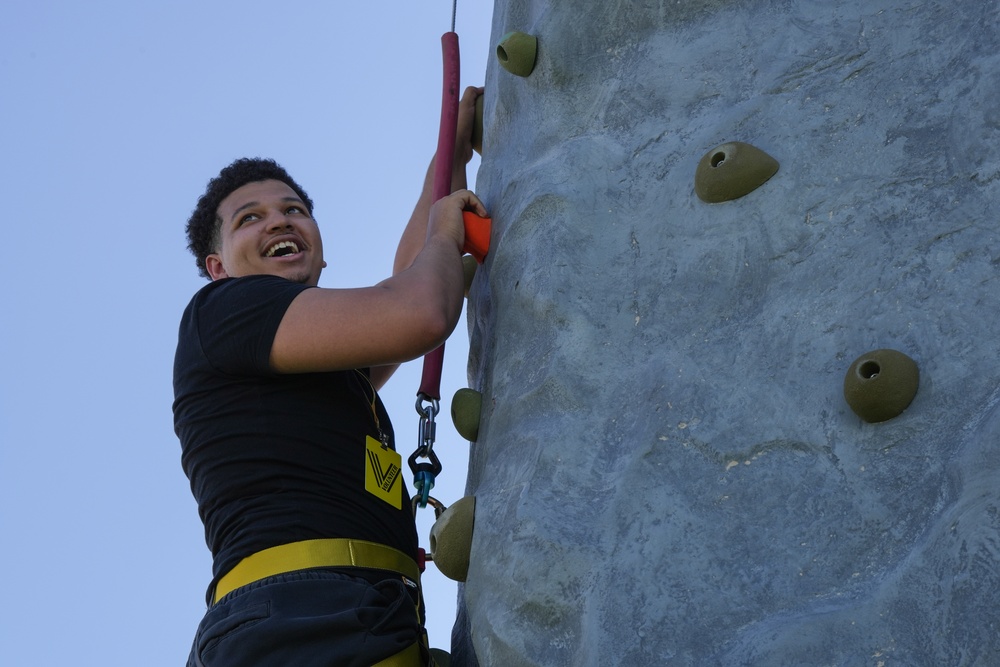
(516, 53)
(731, 171)
(451, 539)
(466, 409)
(881, 384)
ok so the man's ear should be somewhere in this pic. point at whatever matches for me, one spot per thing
(213, 264)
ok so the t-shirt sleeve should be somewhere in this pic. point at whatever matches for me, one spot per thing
(235, 321)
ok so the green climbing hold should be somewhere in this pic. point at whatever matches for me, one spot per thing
(466, 408)
(881, 384)
(451, 538)
(516, 53)
(731, 171)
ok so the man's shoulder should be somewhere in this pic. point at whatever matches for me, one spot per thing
(230, 323)
(246, 287)
(262, 281)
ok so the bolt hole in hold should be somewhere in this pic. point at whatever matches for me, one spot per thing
(869, 370)
(502, 54)
(718, 159)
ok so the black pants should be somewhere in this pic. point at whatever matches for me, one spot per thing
(309, 618)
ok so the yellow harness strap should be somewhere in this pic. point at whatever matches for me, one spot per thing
(408, 657)
(332, 552)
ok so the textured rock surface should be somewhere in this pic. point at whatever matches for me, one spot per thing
(667, 472)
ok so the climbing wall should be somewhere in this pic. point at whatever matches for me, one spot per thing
(667, 471)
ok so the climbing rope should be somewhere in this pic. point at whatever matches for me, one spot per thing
(429, 395)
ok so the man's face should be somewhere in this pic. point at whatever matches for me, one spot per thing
(267, 229)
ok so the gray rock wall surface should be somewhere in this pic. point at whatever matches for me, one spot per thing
(667, 472)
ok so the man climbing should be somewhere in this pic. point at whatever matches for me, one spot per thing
(288, 448)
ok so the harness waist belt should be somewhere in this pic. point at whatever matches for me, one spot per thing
(331, 552)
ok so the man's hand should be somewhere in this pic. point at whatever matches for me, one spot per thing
(446, 216)
(463, 135)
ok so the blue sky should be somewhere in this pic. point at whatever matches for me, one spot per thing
(113, 115)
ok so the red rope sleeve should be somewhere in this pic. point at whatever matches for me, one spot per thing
(430, 382)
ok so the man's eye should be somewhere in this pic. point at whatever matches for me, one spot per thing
(249, 217)
(294, 209)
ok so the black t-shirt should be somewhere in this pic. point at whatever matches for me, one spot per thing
(273, 458)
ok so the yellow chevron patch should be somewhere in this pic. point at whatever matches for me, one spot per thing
(383, 469)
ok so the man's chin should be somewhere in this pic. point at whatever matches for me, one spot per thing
(302, 277)
(296, 274)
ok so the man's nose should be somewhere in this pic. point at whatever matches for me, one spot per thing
(279, 220)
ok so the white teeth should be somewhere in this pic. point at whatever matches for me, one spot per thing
(278, 246)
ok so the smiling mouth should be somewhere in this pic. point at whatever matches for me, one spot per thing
(282, 248)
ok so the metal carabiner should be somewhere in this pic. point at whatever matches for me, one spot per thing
(424, 474)
(427, 430)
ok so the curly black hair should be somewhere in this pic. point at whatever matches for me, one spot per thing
(204, 225)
